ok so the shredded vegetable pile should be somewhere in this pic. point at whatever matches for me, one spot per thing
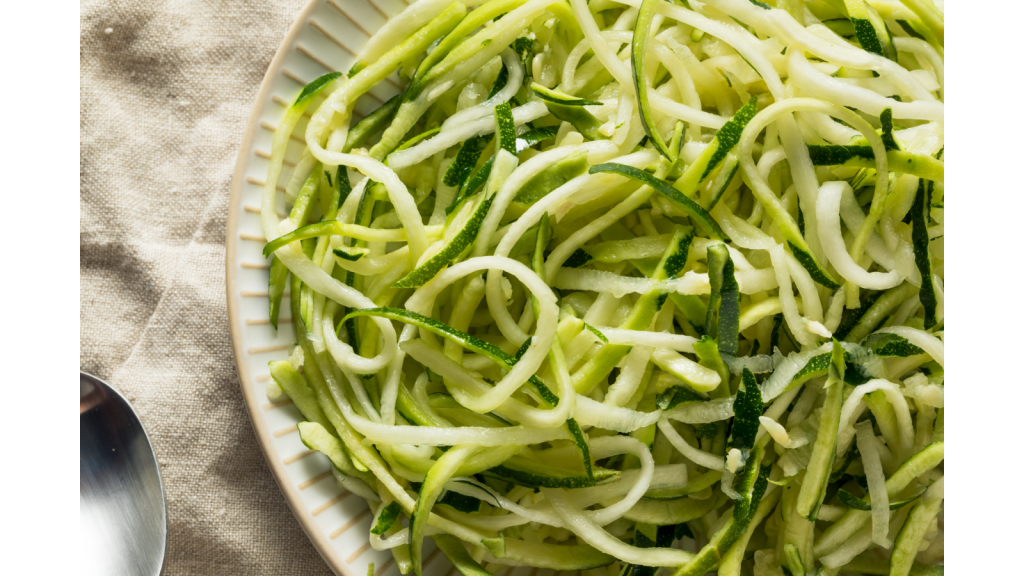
(626, 285)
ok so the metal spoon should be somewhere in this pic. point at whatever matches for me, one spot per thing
(123, 512)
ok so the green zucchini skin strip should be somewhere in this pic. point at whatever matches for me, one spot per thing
(922, 255)
(730, 166)
(314, 88)
(570, 109)
(817, 366)
(464, 504)
(506, 128)
(342, 187)
(584, 122)
(555, 97)
(776, 332)
(711, 157)
(748, 407)
(729, 564)
(882, 307)
(462, 241)
(346, 255)
(356, 68)
(387, 518)
(552, 177)
(418, 138)
(371, 124)
(870, 29)
(854, 503)
(723, 321)
(456, 553)
(804, 257)
(699, 214)
(433, 484)
(472, 185)
(596, 332)
(534, 137)
(476, 180)
(500, 82)
(578, 259)
(325, 228)
(523, 47)
(823, 455)
(307, 196)
(857, 156)
(888, 140)
(465, 160)
(465, 237)
(853, 317)
(275, 289)
(709, 356)
(837, 155)
(677, 396)
(641, 32)
(753, 483)
(524, 472)
(580, 439)
(729, 135)
(891, 345)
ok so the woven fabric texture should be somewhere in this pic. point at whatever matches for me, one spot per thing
(167, 87)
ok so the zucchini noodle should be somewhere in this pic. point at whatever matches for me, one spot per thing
(554, 311)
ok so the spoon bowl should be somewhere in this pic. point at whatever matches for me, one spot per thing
(123, 511)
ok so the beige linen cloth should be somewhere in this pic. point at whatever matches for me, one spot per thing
(167, 87)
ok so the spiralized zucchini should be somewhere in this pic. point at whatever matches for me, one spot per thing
(607, 280)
